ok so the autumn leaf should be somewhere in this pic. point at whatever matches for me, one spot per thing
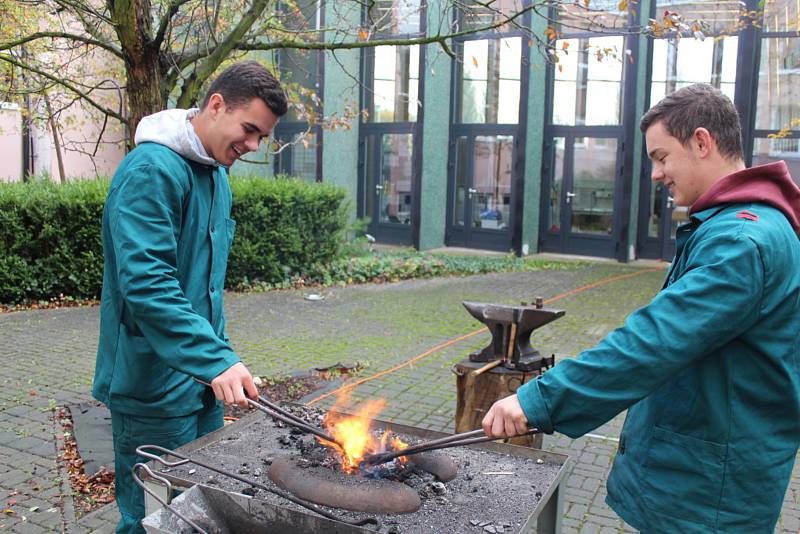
(8, 511)
(363, 34)
(623, 5)
(565, 45)
(475, 61)
(560, 67)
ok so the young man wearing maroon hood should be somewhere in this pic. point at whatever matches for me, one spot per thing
(710, 369)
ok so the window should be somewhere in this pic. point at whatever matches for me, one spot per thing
(688, 61)
(587, 89)
(477, 15)
(777, 132)
(394, 92)
(490, 81)
(394, 17)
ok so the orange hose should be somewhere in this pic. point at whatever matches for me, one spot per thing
(353, 385)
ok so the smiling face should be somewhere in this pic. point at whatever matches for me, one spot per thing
(675, 165)
(233, 132)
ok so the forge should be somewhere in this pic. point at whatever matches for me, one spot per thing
(485, 488)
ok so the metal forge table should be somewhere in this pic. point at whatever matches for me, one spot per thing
(499, 488)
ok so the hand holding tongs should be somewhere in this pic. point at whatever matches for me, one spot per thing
(154, 452)
(276, 412)
(456, 440)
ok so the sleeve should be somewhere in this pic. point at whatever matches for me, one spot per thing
(145, 224)
(716, 299)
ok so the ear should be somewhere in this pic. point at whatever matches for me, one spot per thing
(703, 142)
(216, 104)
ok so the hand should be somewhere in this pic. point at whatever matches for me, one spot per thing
(505, 419)
(234, 385)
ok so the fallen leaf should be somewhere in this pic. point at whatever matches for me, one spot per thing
(33, 509)
(8, 511)
(475, 61)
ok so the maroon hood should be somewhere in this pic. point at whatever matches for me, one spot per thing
(768, 184)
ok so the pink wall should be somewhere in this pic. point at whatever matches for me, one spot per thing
(79, 131)
(10, 144)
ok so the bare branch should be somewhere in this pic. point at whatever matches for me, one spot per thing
(61, 35)
(440, 39)
(219, 53)
(8, 58)
(164, 24)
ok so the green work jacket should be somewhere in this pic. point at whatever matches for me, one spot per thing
(711, 372)
(166, 236)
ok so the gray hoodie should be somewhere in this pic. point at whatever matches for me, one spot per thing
(172, 129)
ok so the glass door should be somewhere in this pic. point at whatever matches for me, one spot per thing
(482, 191)
(579, 207)
(388, 168)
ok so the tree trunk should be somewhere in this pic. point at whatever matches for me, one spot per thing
(133, 22)
(477, 392)
(62, 176)
(144, 92)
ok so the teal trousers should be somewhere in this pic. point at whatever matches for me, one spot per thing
(131, 431)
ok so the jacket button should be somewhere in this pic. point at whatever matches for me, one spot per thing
(212, 289)
(212, 228)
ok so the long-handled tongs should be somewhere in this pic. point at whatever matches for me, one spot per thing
(456, 440)
(276, 412)
(153, 452)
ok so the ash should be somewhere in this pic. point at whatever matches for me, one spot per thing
(492, 493)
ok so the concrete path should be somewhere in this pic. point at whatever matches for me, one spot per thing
(391, 329)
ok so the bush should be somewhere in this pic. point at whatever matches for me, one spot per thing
(283, 227)
(51, 242)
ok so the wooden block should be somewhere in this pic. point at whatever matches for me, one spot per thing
(476, 394)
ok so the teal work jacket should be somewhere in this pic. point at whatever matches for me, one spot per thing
(711, 372)
(166, 236)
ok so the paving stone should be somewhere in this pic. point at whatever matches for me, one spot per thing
(278, 332)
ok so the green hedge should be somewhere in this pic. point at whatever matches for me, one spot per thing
(283, 227)
(50, 244)
(50, 240)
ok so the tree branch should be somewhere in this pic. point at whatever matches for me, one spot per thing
(340, 45)
(63, 35)
(163, 25)
(63, 83)
(218, 54)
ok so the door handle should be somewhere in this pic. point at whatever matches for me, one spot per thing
(670, 202)
(378, 189)
(569, 196)
(471, 191)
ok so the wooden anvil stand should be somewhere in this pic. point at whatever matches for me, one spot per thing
(504, 365)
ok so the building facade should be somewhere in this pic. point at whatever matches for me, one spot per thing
(495, 143)
(500, 147)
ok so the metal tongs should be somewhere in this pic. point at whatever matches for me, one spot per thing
(153, 452)
(456, 440)
(276, 412)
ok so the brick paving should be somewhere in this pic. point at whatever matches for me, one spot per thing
(49, 361)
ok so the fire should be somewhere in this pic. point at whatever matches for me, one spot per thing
(354, 434)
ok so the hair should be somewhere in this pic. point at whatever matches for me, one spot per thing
(699, 106)
(242, 82)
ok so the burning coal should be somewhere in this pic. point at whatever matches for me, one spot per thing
(354, 435)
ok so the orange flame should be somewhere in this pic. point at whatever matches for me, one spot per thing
(354, 433)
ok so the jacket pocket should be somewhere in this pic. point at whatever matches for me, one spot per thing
(138, 372)
(683, 476)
